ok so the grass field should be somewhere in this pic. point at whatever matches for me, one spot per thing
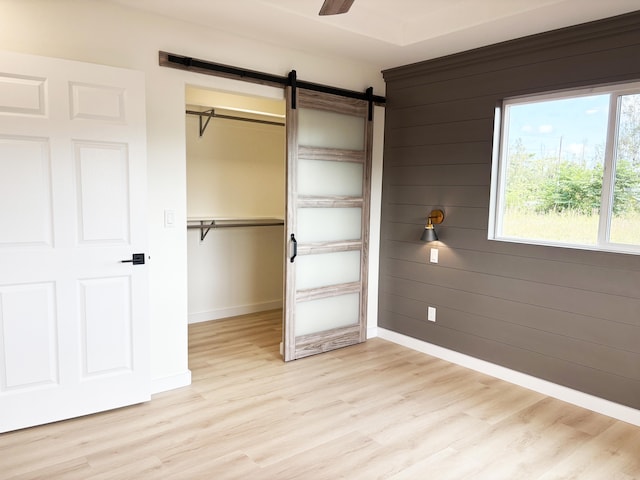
(569, 227)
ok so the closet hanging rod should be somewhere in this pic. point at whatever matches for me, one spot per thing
(205, 225)
(211, 113)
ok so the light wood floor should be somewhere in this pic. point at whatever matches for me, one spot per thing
(372, 411)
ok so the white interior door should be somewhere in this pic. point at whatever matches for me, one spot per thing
(73, 318)
(328, 194)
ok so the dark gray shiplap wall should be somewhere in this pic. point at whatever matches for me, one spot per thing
(564, 315)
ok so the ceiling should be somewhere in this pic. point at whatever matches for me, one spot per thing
(386, 33)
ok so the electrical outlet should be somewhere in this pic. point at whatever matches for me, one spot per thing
(433, 258)
(431, 314)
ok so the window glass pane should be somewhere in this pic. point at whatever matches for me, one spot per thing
(319, 128)
(625, 221)
(317, 177)
(553, 154)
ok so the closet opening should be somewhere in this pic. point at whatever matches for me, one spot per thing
(236, 190)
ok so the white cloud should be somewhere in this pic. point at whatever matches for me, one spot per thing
(527, 128)
(591, 111)
(545, 128)
(576, 148)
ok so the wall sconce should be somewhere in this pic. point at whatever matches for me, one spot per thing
(429, 234)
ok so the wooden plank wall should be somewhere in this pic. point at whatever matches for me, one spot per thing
(565, 315)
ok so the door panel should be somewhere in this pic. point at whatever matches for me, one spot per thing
(324, 224)
(27, 159)
(106, 325)
(28, 320)
(97, 102)
(328, 175)
(103, 172)
(320, 315)
(22, 94)
(330, 129)
(316, 177)
(74, 333)
(315, 271)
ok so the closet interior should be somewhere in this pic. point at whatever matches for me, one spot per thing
(235, 146)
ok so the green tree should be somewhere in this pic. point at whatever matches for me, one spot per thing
(573, 188)
(626, 196)
(523, 172)
(626, 193)
(629, 129)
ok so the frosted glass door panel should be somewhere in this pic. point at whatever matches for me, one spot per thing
(319, 128)
(329, 178)
(326, 269)
(318, 316)
(328, 173)
(329, 224)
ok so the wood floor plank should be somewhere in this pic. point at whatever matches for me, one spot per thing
(371, 411)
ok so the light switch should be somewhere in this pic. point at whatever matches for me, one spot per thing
(431, 314)
(434, 255)
(169, 219)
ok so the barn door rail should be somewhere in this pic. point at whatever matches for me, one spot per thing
(183, 62)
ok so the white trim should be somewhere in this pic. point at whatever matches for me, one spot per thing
(495, 220)
(608, 247)
(164, 384)
(372, 332)
(234, 311)
(569, 395)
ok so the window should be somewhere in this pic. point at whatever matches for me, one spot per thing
(567, 170)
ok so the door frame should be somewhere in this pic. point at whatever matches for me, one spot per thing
(264, 83)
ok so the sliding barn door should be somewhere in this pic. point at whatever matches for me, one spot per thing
(74, 334)
(328, 188)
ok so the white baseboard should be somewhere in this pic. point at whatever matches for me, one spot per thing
(234, 311)
(569, 395)
(372, 332)
(165, 384)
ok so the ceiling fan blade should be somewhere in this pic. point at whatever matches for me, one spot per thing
(335, 7)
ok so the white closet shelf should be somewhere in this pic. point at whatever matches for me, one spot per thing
(204, 224)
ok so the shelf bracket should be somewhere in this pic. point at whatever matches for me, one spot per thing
(210, 114)
(203, 232)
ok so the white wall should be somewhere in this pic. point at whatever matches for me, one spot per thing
(101, 32)
(234, 271)
(236, 169)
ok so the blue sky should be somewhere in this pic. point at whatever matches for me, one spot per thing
(574, 125)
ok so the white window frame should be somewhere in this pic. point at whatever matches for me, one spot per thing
(499, 161)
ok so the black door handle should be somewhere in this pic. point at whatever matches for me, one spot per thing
(295, 247)
(136, 259)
